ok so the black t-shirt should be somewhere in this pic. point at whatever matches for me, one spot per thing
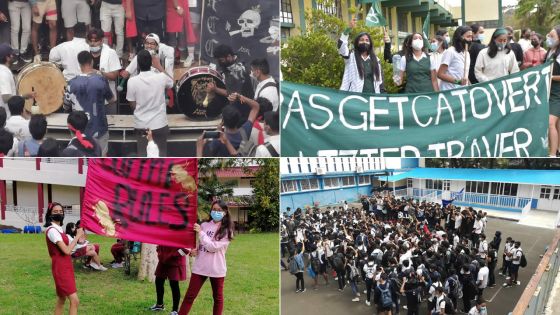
(411, 291)
(113, 1)
(96, 61)
(149, 10)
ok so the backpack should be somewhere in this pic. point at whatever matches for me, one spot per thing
(453, 288)
(247, 147)
(338, 261)
(386, 300)
(315, 264)
(449, 307)
(293, 266)
(523, 261)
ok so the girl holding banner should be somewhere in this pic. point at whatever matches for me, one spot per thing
(453, 71)
(553, 41)
(214, 236)
(362, 68)
(60, 249)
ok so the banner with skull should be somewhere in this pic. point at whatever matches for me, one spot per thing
(250, 27)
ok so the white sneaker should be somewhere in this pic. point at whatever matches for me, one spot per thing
(365, 291)
(173, 313)
(94, 266)
(37, 59)
(358, 294)
(357, 299)
(188, 62)
(102, 268)
(368, 303)
(117, 265)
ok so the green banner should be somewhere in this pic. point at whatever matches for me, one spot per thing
(506, 117)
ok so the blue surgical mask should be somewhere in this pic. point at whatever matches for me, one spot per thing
(217, 215)
(550, 42)
(434, 46)
(483, 310)
(481, 37)
(501, 46)
(95, 49)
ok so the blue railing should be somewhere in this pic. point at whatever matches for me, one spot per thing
(476, 198)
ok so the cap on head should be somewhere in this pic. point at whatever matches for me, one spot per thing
(154, 37)
(5, 50)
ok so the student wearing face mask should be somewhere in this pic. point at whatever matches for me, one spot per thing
(362, 68)
(155, 47)
(497, 60)
(552, 41)
(369, 272)
(475, 48)
(445, 34)
(271, 148)
(214, 237)
(416, 64)
(452, 68)
(105, 61)
(517, 49)
(535, 55)
(479, 308)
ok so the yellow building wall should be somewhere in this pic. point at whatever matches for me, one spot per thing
(480, 10)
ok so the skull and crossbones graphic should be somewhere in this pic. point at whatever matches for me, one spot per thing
(249, 21)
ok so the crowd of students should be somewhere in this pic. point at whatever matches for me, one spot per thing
(164, 35)
(451, 62)
(400, 253)
(214, 236)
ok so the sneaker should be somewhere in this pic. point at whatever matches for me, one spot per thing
(189, 61)
(507, 278)
(86, 266)
(357, 293)
(365, 291)
(94, 266)
(117, 265)
(405, 307)
(356, 299)
(298, 291)
(339, 290)
(518, 283)
(156, 308)
(102, 268)
(368, 303)
(37, 59)
(26, 57)
(336, 279)
(174, 313)
(507, 285)
(303, 291)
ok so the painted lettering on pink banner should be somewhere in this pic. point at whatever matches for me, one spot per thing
(145, 200)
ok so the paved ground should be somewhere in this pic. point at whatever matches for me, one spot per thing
(327, 300)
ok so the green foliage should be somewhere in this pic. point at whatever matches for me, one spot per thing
(539, 15)
(312, 58)
(265, 211)
(209, 185)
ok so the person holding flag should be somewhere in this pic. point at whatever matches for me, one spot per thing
(455, 61)
(362, 68)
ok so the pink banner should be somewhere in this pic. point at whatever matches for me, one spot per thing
(146, 200)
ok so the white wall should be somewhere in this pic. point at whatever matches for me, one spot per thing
(304, 165)
(61, 171)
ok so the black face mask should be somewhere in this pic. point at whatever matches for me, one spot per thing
(57, 217)
(226, 64)
(363, 47)
(535, 43)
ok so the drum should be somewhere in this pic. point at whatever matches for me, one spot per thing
(192, 98)
(47, 81)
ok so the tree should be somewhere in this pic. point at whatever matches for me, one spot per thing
(208, 184)
(265, 214)
(539, 15)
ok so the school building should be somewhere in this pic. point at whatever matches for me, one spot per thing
(27, 186)
(403, 16)
(330, 181)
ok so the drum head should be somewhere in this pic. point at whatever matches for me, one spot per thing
(193, 100)
(47, 81)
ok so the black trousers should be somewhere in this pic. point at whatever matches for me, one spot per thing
(149, 26)
(340, 273)
(300, 284)
(175, 291)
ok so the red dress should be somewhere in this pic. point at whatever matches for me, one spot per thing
(174, 22)
(62, 267)
(171, 264)
(130, 25)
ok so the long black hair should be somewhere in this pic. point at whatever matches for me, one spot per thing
(457, 40)
(70, 229)
(371, 52)
(409, 51)
(555, 50)
(493, 48)
(48, 220)
(226, 227)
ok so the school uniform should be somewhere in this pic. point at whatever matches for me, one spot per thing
(171, 264)
(62, 267)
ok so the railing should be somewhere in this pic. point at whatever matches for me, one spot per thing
(534, 299)
(474, 198)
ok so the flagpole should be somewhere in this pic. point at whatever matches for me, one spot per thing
(201, 30)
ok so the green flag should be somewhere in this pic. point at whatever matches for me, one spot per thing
(375, 16)
(426, 27)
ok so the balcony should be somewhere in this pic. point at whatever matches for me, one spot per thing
(57, 171)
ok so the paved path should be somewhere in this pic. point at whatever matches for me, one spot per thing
(327, 300)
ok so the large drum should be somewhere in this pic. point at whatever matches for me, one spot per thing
(192, 98)
(47, 81)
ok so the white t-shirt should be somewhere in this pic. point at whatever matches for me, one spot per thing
(517, 252)
(403, 62)
(507, 249)
(67, 55)
(262, 150)
(488, 68)
(440, 303)
(7, 86)
(432, 290)
(483, 248)
(166, 56)
(148, 91)
(483, 274)
(477, 227)
(53, 235)
(455, 67)
(458, 220)
(270, 92)
(19, 127)
(109, 62)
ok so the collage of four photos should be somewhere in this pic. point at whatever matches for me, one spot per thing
(279, 157)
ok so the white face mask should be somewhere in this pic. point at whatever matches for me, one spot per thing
(418, 44)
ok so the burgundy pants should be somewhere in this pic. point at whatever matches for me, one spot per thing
(194, 287)
(118, 252)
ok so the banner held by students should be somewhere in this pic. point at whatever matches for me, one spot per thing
(146, 200)
(506, 117)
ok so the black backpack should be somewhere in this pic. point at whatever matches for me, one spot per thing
(449, 307)
(338, 261)
(523, 260)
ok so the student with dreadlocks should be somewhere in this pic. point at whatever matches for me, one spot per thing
(362, 68)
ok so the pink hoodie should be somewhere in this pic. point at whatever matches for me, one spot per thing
(211, 258)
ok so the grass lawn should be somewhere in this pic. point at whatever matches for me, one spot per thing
(27, 287)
